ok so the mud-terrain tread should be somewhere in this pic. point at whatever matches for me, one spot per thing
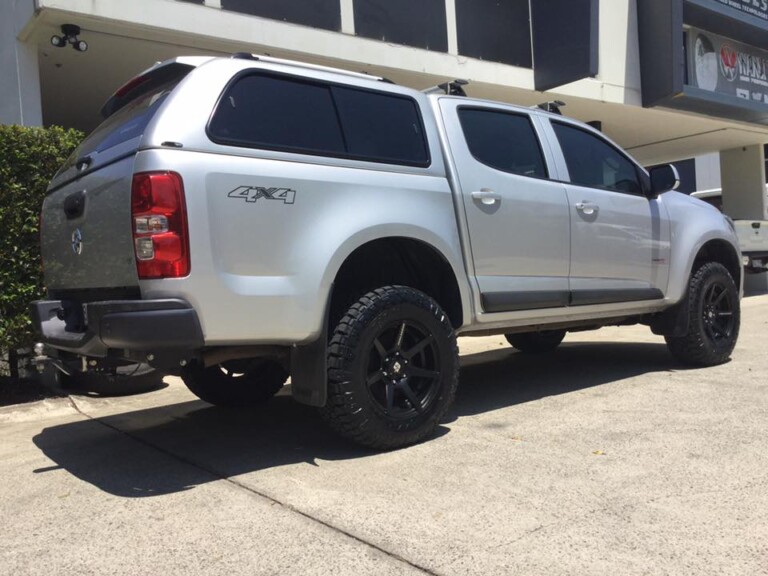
(342, 412)
(694, 348)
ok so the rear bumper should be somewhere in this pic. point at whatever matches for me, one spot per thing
(129, 325)
(755, 262)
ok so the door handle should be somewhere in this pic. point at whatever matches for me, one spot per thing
(486, 196)
(587, 208)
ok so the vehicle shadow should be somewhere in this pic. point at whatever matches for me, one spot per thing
(127, 454)
(500, 378)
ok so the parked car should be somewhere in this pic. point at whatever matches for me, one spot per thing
(752, 234)
(239, 220)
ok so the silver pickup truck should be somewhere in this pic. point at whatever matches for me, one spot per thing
(239, 221)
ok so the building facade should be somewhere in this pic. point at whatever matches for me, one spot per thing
(670, 80)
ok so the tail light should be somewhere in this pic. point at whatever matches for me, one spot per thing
(159, 219)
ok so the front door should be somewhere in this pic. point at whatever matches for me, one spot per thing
(619, 238)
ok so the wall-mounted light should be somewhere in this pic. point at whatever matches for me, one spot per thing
(69, 35)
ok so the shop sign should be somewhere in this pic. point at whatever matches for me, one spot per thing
(724, 66)
(758, 8)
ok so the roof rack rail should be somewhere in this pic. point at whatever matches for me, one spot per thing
(452, 88)
(553, 106)
(297, 64)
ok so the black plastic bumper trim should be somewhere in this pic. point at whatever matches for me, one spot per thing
(141, 325)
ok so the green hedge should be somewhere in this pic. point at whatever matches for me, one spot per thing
(29, 157)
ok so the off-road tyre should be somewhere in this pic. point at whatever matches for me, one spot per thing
(536, 342)
(393, 369)
(237, 383)
(714, 318)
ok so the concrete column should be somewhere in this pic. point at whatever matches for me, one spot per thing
(347, 17)
(742, 172)
(20, 101)
(707, 171)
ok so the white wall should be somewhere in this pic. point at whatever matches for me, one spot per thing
(20, 84)
(708, 171)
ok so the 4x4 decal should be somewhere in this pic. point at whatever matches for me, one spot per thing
(253, 193)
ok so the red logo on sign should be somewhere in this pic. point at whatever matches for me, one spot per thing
(728, 60)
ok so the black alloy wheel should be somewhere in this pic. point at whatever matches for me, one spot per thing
(392, 369)
(403, 372)
(714, 317)
(717, 313)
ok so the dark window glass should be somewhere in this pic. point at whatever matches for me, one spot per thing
(269, 112)
(593, 162)
(503, 141)
(381, 126)
(128, 116)
(495, 31)
(315, 13)
(421, 24)
(278, 113)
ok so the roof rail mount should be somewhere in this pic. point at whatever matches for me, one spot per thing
(244, 56)
(553, 106)
(452, 88)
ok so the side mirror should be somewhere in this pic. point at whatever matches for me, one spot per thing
(663, 179)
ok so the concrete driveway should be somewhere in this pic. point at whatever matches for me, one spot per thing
(604, 458)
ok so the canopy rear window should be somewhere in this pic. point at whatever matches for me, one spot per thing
(130, 110)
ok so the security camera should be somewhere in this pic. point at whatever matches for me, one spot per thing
(69, 35)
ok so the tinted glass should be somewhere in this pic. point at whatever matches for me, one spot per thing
(135, 112)
(286, 114)
(593, 162)
(269, 112)
(503, 141)
(381, 126)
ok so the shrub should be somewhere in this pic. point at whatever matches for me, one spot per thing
(29, 157)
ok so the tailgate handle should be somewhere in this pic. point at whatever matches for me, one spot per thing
(74, 205)
(83, 162)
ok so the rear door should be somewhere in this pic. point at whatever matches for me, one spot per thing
(619, 237)
(517, 217)
(86, 235)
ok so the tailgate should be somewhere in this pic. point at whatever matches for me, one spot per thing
(753, 235)
(85, 231)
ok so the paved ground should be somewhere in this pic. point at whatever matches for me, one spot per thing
(604, 459)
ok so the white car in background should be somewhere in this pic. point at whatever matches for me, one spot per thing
(753, 234)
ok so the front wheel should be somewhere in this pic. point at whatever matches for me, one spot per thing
(393, 369)
(714, 317)
(237, 382)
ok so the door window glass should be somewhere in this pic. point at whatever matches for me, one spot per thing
(503, 141)
(593, 162)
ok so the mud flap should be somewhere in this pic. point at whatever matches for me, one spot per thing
(673, 321)
(309, 367)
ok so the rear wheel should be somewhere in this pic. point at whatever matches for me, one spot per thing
(536, 342)
(714, 317)
(237, 382)
(392, 369)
